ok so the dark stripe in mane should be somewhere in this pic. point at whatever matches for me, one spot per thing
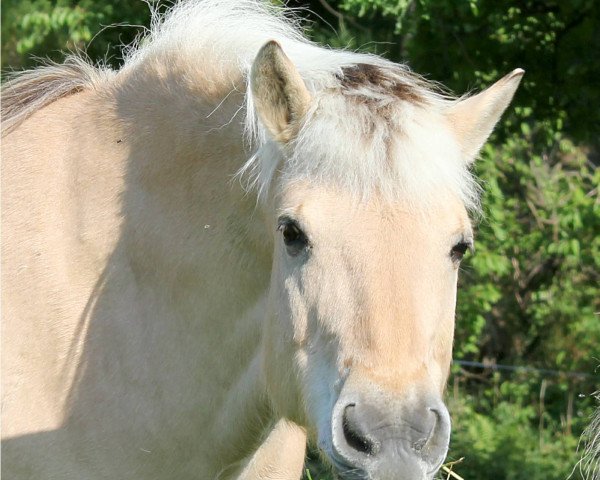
(373, 77)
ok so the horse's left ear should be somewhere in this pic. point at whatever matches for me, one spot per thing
(474, 118)
(279, 93)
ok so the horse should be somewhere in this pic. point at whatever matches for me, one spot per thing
(236, 243)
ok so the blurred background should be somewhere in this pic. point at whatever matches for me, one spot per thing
(527, 345)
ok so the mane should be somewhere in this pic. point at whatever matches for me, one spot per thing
(28, 91)
(589, 464)
(366, 110)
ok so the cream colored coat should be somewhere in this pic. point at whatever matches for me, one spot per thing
(154, 325)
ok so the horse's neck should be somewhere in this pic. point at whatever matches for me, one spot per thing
(187, 223)
(181, 306)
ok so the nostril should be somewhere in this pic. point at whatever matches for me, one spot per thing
(440, 424)
(436, 418)
(436, 446)
(435, 411)
(354, 434)
(430, 432)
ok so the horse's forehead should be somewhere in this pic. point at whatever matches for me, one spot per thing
(328, 208)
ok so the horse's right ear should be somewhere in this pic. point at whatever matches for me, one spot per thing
(280, 96)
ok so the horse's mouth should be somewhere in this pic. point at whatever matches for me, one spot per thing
(345, 471)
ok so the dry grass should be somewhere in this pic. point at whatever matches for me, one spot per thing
(448, 471)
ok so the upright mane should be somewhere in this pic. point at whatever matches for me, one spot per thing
(367, 100)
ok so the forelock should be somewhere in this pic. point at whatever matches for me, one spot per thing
(373, 128)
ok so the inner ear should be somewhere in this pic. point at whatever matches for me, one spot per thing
(280, 96)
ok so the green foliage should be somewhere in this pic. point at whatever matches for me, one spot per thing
(531, 290)
(48, 28)
(503, 444)
(531, 293)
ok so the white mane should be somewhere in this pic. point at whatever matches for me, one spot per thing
(376, 128)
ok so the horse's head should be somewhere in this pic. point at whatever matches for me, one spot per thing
(368, 205)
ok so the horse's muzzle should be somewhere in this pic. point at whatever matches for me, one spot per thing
(387, 439)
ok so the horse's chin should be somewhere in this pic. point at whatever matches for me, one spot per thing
(363, 475)
(386, 469)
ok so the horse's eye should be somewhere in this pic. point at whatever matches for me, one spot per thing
(458, 251)
(291, 233)
(295, 240)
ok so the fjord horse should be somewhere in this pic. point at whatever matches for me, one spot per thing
(236, 242)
